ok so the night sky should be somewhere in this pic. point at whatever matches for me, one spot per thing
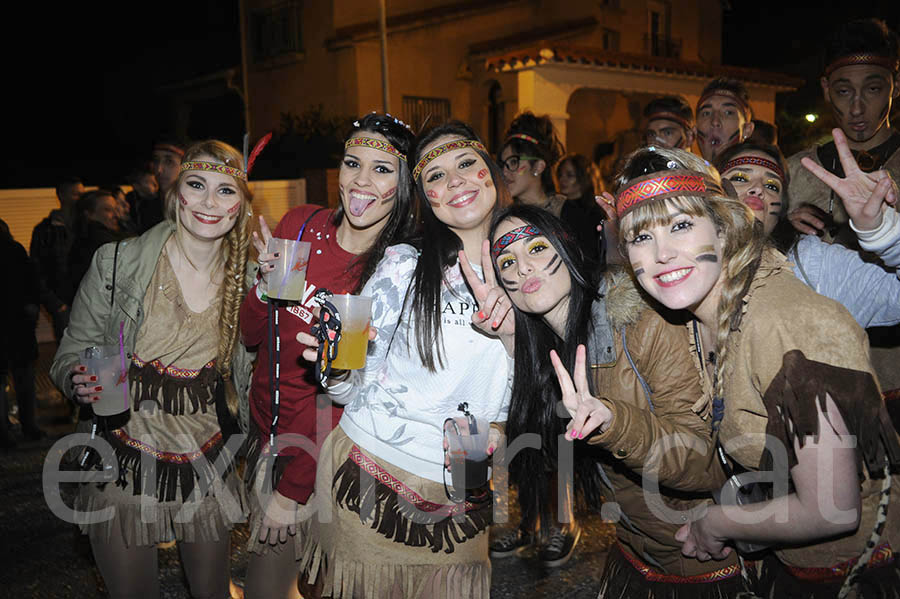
(81, 83)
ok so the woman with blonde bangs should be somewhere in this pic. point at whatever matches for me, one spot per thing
(785, 395)
(169, 299)
(384, 524)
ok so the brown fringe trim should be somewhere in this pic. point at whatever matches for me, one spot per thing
(873, 583)
(392, 515)
(170, 476)
(620, 580)
(801, 385)
(149, 385)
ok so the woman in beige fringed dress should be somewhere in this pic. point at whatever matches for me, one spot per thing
(169, 299)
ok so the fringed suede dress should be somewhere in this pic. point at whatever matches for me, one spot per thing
(381, 524)
(172, 428)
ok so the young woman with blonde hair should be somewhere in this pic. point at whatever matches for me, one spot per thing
(169, 300)
(788, 386)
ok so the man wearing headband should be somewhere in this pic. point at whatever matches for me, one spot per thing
(860, 82)
(669, 123)
(724, 116)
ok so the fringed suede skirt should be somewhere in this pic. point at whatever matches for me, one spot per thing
(625, 577)
(378, 531)
(879, 580)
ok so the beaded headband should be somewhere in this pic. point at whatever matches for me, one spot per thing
(665, 184)
(443, 149)
(891, 64)
(523, 232)
(755, 161)
(377, 144)
(169, 148)
(670, 116)
(523, 136)
(730, 95)
(214, 168)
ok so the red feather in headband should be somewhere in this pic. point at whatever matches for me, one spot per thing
(257, 149)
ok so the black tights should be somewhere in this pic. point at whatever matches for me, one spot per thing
(133, 572)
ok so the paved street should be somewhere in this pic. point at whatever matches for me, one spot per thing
(44, 558)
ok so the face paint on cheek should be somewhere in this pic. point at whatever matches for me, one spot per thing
(432, 198)
(553, 265)
(388, 195)
(706, 253)
(233, 211)
(489, 183)
(482, 173)
(182, 200)
(837, 111)
(701, 134)
(509, 285)
(776, 205)
(734, 136)
(638, 268)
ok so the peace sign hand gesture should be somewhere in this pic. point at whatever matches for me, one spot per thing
(588, 413)
(495, 316)
(862, 193)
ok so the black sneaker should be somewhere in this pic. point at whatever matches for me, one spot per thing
(560, 545)
(510, 543)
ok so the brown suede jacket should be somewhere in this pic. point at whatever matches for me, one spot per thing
(655, 440)
(791, 348)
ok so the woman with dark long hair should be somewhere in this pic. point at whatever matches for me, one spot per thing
(389, 530)
(633, 390)
(169, 300)
(376, 197)
(788, 386)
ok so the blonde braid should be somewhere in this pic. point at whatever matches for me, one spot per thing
(741, 257)
(236, 249)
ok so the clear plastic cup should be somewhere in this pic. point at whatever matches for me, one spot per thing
(468, 444)
(288, 280)
(356, 313)
(106, 363)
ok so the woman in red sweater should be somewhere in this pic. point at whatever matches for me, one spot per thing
(376, 196)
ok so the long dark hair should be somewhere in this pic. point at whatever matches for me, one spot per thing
(784, 236)
(536, 396)
(400, 224)
(439, 247)
(548, 147)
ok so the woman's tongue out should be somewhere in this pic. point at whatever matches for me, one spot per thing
(359, 201)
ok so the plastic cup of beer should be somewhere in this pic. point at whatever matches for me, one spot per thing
(106, 363)
(355, 312)
(288, 280)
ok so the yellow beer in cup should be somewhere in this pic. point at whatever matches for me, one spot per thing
(355, 312)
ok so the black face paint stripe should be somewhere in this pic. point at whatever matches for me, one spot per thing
(701, 134)
(734, 135)
(556, 268)
(638, 272)
(509, 285)
(551, 262)
(678, 143)
(707, 258)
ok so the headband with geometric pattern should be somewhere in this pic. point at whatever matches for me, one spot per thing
(513, 236)
(755, 161)
(214, 167)
(377, 144)
(665, 184)
(748, 112)
(670, 116)
(443, 149)
(891, 64)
